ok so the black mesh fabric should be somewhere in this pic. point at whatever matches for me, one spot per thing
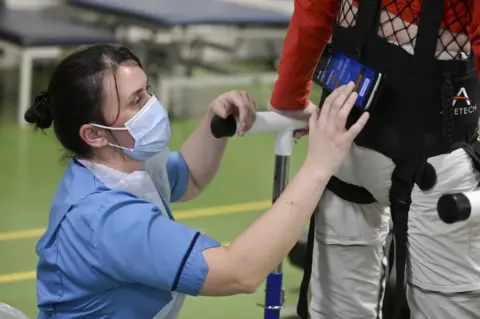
(399, 20)
(347, 14)
(394, 28)
(453, 37)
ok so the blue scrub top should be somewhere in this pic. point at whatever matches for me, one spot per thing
(109, 254)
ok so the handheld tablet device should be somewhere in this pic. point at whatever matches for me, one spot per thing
(335, 69)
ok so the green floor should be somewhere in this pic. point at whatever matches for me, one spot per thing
(31, 166)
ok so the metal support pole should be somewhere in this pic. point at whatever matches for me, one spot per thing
(274, 294)
(283, 127)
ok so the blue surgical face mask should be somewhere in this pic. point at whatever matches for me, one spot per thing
(150, 128)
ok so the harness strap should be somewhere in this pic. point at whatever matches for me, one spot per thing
(349, 192)
(406, 173)
(366, 22)
(302, 305)
(428, 29)
(403, 179)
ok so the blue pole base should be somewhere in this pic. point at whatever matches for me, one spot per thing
(273, 296)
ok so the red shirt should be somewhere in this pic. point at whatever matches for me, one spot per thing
(311, 28)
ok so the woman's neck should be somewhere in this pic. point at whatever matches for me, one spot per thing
(119, 161)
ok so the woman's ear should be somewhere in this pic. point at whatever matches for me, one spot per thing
(93, 136)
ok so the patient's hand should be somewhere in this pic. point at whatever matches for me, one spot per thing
(300, 115)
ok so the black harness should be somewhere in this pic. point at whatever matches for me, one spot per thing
(414, 118)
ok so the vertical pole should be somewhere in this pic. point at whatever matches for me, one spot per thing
(274, 295)
(25, 85)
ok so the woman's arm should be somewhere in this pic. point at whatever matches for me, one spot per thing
(309, 31)
(242, 266)
(202, 151)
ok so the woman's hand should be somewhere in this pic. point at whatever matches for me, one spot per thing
(329, 141)
(202, 151)
(238, 103)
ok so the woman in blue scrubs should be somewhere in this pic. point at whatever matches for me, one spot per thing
(112, 249)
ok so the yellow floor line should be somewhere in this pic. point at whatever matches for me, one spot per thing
(221, 210)
(180, 215)
(22, 234)
(29, 275)
(18, 276)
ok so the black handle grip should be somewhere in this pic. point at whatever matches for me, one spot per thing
(223, 127)
(454, 208)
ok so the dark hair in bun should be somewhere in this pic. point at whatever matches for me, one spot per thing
(40, 113)
(76, 94)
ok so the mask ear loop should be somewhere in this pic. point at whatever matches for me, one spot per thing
(113, 129)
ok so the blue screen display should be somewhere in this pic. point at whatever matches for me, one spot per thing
(341, 69)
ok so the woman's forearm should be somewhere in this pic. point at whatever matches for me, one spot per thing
(263, 245)
(203, 153)
(253, 254)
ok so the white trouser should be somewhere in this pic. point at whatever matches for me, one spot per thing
(349, 262)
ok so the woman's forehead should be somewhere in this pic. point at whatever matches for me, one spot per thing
(127, 79)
